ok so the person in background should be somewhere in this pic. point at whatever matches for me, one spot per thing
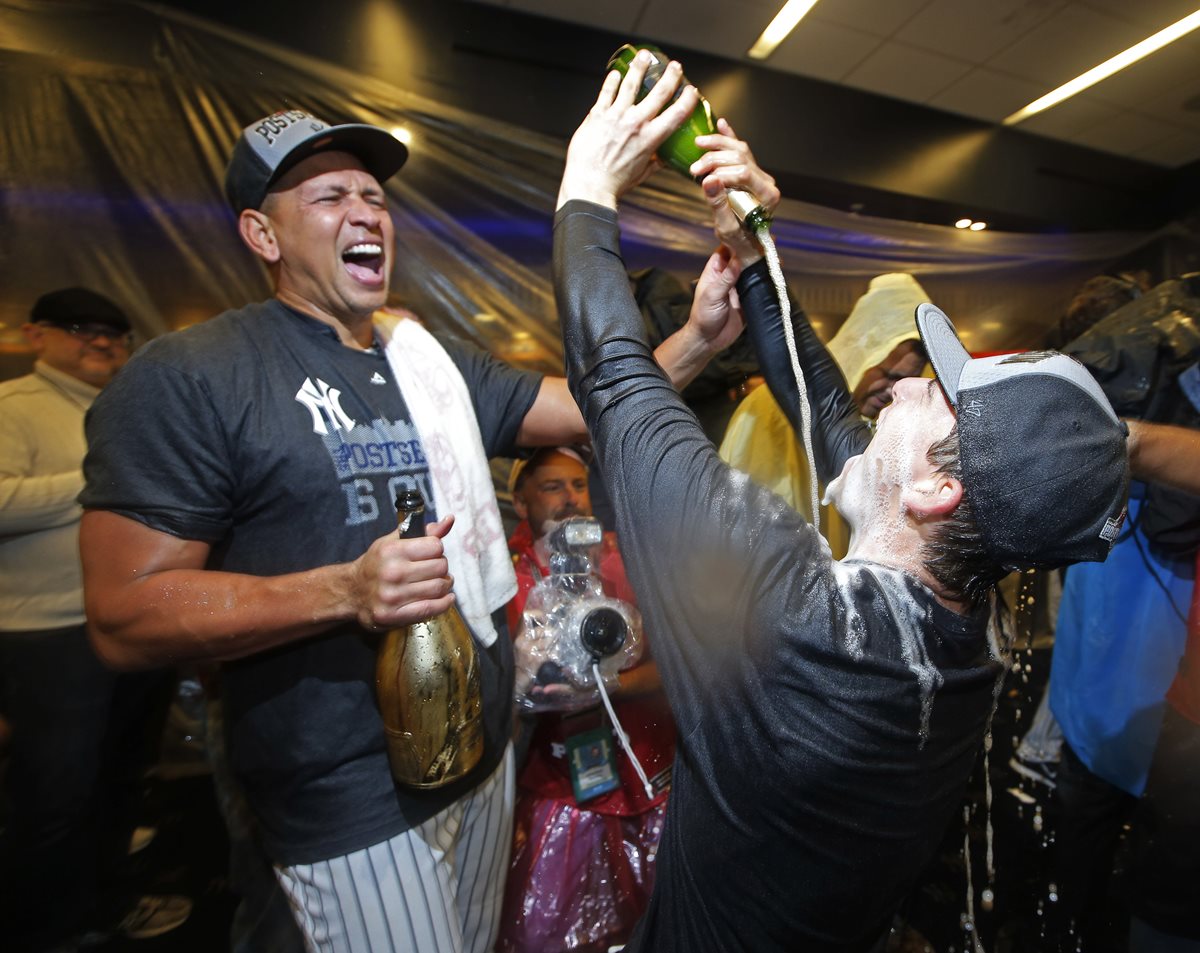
(717, 391)
(74, 776)
(1164, 867)
(1040, 751)
(250, 518)
(581, 871)
(1121, 626)
(1094, 300)
(876, 346)
(829, 712)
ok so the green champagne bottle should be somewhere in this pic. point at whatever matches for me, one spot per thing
(679, 151)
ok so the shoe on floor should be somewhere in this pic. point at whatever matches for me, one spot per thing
(154, 915)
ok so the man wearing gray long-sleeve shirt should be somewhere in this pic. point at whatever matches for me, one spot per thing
(53, 691)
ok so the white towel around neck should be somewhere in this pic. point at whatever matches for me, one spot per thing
(442, 413)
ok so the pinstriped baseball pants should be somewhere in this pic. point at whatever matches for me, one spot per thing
(434, 889)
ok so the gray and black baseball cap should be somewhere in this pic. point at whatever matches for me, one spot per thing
(270, 146)
(1044, 460)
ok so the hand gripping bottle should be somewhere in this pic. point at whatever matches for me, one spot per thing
(427, 686)
(680, 150)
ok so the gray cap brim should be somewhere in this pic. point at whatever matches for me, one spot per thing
(945, 350)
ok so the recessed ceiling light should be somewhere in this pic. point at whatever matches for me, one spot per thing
(963, 223)
(402, 134)
(977, 226)
(777, 30)
(1108, 67)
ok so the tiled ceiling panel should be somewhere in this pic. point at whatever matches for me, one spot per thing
(823, 50)
(1072, 117)
(975, 29)
(983, 59)
(712, 26)
(1072, 41)
(869, 16)
(1154, 15)
(988, 95)
(907, 72)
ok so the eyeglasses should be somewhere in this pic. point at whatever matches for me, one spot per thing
(89, 332)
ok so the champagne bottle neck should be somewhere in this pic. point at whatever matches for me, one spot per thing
(410, 512)
(412, 524)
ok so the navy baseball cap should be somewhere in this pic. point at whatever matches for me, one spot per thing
(269, 147)
(1044, 461)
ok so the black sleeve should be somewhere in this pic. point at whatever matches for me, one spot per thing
(501, 394)
(838, 430)
(157, 452)
(706, 549)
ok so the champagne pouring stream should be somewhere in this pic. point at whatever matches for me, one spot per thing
(679, 151)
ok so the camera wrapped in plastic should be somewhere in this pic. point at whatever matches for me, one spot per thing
(570, 625)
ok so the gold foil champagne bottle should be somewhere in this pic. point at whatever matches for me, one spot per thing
(679, 151)
(427, 685)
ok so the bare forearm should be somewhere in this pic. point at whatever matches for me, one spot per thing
(555, 419)
(151, 600)
(186, 615)
(1164, 454)
(683, 355)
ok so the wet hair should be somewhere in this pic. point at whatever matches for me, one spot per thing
(955, 553)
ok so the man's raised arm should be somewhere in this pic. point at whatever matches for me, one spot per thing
(838, 429)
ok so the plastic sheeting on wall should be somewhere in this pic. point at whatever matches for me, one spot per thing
(119, 118)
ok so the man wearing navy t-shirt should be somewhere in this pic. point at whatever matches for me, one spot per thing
(239, 508)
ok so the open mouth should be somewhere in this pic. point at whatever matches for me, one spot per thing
(364, 262)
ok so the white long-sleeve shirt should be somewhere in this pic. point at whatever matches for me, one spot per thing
(42, 447)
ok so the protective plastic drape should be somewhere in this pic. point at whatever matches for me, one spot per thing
(119, 117)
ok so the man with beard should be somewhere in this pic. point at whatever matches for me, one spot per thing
(612, 833)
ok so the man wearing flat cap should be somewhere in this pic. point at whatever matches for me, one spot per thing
(248, 517)
(61, 702)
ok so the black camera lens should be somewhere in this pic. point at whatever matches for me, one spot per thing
(550, 673)
(603, 631)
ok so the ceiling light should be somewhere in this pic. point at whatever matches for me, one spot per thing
(777, 30)
(402, 134)
(977, 226)
(963, 223)
(1108, 67)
